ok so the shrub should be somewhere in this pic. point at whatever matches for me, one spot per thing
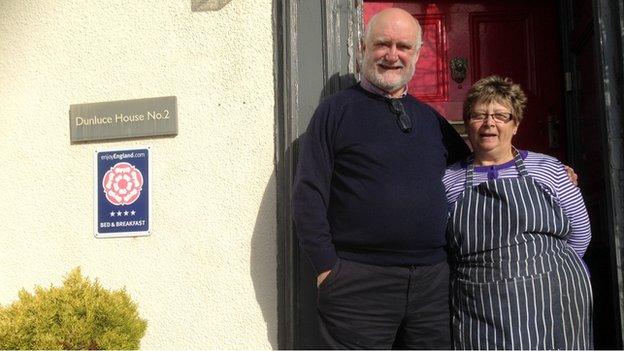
(78, 315)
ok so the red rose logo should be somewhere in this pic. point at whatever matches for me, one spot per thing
(122, 184)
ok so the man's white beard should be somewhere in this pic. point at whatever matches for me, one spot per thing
(377, 79)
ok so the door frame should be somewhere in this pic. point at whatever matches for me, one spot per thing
(609, 39)
(608, 27)
(312, 36)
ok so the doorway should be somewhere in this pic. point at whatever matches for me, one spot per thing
(524, 40)
(553, 48)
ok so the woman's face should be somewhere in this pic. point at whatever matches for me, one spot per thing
(491, 135)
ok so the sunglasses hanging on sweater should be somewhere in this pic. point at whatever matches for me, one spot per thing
(403, 120)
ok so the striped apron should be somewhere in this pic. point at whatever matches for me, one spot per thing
(516, 284)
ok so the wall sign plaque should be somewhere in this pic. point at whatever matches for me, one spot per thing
(122, 192)
(123, 119)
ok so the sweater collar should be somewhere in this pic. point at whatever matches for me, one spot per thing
(370, 87)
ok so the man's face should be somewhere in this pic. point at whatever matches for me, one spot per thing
(391, 50)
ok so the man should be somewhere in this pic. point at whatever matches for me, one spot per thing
(369, 205)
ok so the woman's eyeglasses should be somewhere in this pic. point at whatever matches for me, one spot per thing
(403, 120)
(499, 117)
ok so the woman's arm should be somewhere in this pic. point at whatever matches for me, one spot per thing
(454, 180)
(573, 206)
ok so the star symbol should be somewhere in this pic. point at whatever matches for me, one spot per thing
(118, 213)
(125, 213)
(132, 212)
(112, 214)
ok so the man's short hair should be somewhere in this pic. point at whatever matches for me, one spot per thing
(419, 40)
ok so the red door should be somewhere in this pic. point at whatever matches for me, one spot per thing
(516, 39)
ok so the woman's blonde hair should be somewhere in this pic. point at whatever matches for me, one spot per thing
(496, 89)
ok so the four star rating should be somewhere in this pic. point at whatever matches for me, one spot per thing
(124, 213)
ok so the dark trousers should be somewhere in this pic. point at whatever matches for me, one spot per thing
(363, 306)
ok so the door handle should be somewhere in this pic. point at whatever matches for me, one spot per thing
(553, 131)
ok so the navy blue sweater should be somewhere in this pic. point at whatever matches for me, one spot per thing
(366, 191)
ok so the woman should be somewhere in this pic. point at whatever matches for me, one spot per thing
(517, 230)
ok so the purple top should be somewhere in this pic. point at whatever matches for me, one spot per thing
(547, 172)
(492, 171)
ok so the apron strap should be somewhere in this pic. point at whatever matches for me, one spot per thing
(519, 162)
(470, 171)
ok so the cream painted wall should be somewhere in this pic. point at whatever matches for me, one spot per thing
(206, 277)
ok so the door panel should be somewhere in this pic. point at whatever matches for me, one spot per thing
(488, 31)
(513, 39)
(432, 85)
(589, 161)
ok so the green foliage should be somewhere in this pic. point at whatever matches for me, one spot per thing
(78, 315)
